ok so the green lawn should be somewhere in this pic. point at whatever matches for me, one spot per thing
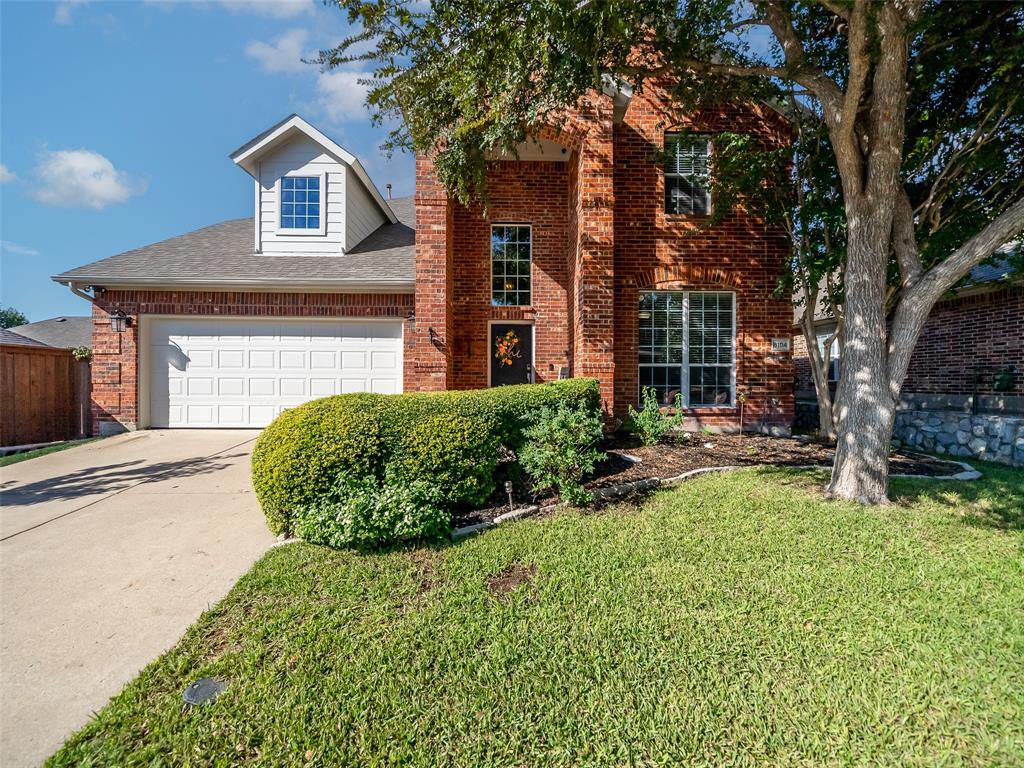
(14, 458)
(738, 619)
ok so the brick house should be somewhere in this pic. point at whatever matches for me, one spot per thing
(594, 257)
(968, 363)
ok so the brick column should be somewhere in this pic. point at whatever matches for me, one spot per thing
(591, 255)
(433, 327)
(115, 383)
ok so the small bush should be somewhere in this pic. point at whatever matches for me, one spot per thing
(650, 424)
(560, 449)
(457, 455)
(361, 513)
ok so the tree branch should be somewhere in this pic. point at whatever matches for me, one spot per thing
(913, 309)
(904, 242)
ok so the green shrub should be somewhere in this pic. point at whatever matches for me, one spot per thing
(361, 513)
(455, 454)
(304, 451)
(299, 459)
(560, 448)
(650, 424)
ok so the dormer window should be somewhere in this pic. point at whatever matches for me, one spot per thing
(300, 203)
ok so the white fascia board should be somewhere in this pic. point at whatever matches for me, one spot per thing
(245, 155)
(256, 284)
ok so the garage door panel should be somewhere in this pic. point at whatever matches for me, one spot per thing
(227, 372)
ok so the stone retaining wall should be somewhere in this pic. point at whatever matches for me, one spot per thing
(987, 436)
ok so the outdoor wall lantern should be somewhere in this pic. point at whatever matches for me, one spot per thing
(119, 321)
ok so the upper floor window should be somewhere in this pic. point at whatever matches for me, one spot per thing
(300, 202)
(511, 257)
(687, 185)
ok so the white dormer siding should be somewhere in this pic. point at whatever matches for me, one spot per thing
(302, 157)
(362, 215)
(351, 207)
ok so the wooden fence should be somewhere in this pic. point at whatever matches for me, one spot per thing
(44, 395)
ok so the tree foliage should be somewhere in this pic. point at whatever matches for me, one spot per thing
(11, 317)
(916, 102)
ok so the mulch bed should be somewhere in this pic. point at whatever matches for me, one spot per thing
(678, 454)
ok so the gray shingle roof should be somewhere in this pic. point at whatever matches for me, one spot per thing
(999, 271)
(223, 254)
(8, 336)
(62, 332)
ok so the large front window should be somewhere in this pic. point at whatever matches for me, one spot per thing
(510, 265)
(300, 202)
(687, 344)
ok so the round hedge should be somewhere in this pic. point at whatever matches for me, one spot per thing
(455, 454)
(450, 439)
(301, 454)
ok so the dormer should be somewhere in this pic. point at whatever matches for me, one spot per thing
(312, 195)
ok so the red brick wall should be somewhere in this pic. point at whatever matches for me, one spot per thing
(985, 329)
(659, 251)
(115, 380)
(534, 193)
(600, 237)
(432, 356)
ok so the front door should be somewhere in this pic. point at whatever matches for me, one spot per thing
(511, 351)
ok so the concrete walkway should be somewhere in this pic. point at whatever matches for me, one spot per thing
(108, 552)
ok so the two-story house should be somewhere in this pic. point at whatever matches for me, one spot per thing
(594, 257)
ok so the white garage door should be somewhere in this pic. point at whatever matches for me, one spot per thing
(221, 372)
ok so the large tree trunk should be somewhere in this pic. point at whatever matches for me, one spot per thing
(866, 409)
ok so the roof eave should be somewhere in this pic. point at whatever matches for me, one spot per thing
(272, 286)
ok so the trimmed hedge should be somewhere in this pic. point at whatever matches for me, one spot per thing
(301, 456)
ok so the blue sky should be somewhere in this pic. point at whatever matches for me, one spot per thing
(117, 118)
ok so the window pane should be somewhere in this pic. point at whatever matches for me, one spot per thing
(510, 265)
(313, 182)
(314, 222)
(710, 349)
(686, 174)
(287, 222)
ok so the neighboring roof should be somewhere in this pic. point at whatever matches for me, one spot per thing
(999, 271)
(223, 254)
(247, 154)
(8, 336)
(60, 332)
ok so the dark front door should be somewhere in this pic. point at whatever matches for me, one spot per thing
(511, 351)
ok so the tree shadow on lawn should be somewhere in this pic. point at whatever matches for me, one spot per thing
(994, 501)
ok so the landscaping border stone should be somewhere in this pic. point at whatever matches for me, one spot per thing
(649, 484)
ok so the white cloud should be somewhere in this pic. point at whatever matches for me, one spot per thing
(81, 178)
(7, 175)
(283, 55)
(19, 250)
(276, 9)
(64, 11)
(340, 97)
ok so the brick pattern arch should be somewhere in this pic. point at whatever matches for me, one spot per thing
(679, 277)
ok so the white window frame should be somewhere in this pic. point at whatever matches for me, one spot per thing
(323, 204)
(490, 257)
(684, 379)
(666, 175)
(820, 338)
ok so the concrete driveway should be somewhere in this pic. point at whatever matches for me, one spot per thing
(108, 552)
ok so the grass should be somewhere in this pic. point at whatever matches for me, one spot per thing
(14, 458)
(738, 619)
